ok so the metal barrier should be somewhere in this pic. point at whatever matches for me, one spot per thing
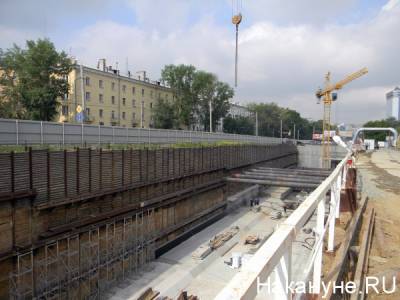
(25, 132)
(276, 254)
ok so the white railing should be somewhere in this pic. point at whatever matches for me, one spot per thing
(25, 132)
(275, 256)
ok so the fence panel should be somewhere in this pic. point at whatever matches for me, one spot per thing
(25, 132)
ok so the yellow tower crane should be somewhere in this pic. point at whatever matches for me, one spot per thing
(328, 97)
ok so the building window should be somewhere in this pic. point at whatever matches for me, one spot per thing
(101, 98)
(87, 80)
(151, 104)
(133, 103)
(101, 85)
(123, 101)
(101, 123)
(142, 92)
(87, 96)
(65, 110)
(123, 115)
(124, 88)
(166, 96)
(100, 113)
(112, 99)
(87, 111)
(133, 90)
(151, 94)
(113, 86)
(133, 116)
(113, 115)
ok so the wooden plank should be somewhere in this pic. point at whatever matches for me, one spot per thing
(341, 255)
(362, 262)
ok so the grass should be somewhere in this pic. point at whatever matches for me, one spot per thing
(24, 148)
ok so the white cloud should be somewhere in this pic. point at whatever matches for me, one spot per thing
(10, 36)
(390, 5)
(286, 47)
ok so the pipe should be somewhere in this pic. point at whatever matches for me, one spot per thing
(274, 183)
(256, 172)
(295, 171)
(295, 174)
(271, 177)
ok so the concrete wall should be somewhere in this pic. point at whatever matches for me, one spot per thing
(310, 155)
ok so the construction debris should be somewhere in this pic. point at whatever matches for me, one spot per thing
(148, 294)
(252, 240)
(220, 239)
(202, 252)
(362, 262)
(184, 296)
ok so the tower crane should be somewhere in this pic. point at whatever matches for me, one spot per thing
(328, 97)
(236, 20)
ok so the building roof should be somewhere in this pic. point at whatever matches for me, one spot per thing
(156, 84)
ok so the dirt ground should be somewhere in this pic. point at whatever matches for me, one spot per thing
(379, 176)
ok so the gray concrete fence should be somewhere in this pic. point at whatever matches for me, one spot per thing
(26, 132)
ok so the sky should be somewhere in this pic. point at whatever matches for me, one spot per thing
(285, 46)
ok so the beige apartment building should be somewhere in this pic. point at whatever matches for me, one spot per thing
(105, 97)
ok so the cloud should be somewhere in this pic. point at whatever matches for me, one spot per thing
(390, 5)
(285, 12)
(286, 48)
(9, 36)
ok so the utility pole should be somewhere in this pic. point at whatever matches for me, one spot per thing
(294, 131)
(210, 115)
(281, 132)
(82, 89)
(256, 123)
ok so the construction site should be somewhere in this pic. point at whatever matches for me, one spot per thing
(188, 222)
(105, 196)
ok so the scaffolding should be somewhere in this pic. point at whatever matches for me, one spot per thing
(86, 265)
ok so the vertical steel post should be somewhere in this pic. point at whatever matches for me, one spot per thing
(41, 132)
(99, 137)
(339, 189)
(16, 132)
(332, 215)
(283, 276)
(320, 242)
(63, 133)
(210, 115)
(256, 123)
(82, 134)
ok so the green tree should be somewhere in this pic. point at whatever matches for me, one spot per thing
(164, 115)
(209, 89)
(239, 125)
(381, 136)
(269, 121)
(33, 79)
(181, 79)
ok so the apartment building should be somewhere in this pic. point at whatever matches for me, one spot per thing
(103, 96)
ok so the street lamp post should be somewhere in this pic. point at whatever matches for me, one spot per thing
(256, 123)
(294, 131)
(210, 115)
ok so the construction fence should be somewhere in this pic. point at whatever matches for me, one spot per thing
(23, 132)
